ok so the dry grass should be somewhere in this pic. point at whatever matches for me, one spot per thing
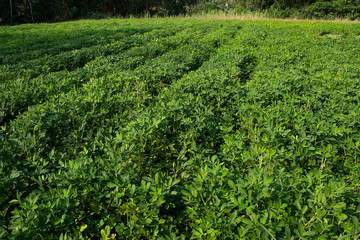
(262, 16)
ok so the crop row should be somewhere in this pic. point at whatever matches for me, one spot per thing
(227, 150)
(18, 95)
(54, 46)
(72, 60)
(222, 131)
(86, 109)
(25, 44)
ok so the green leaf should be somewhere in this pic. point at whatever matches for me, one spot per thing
(342, 217)
(287, 232)
(234, 200)
(309, 233)
(355, 221)
(347, 236)
(186, 193)
(232, 184)
(83, 227)
(340, 205)
(111, 185)
(233, 217)
(103, 233)
(268, 180)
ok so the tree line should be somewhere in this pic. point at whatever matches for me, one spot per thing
(20, 11)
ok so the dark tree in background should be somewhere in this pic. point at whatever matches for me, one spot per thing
(31, 13)
(55, 10)
(11, 12)
(20, 11)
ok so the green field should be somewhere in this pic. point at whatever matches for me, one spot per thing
(180, 129)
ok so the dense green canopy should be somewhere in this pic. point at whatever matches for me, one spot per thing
(174, 128)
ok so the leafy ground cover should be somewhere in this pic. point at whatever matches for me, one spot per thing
(180, 129)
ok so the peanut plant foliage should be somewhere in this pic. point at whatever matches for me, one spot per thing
(180, 129)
